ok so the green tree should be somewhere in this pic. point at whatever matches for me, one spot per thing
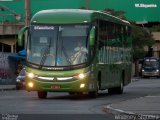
(141, 37)
(155, 28)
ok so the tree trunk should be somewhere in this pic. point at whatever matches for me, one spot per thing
(136, 68)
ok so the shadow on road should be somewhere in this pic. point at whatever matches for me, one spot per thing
(76, 96)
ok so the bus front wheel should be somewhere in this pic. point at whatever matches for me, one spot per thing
(42, 95)
(72, 93)
(94, 94)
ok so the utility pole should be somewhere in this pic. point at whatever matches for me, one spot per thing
(87, 4)
(27, 17)
(27, 12)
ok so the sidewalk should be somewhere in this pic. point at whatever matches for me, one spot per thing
(143, 108)
(7, 87)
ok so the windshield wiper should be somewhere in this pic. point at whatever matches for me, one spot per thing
(66, 55)
(45, 54)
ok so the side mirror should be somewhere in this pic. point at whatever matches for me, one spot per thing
(20, 35)
(92, 36)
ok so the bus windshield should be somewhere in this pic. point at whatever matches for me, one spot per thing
(63, 45)
(151, 63)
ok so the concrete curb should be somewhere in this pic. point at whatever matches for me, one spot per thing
(127, 115)
(113, 111)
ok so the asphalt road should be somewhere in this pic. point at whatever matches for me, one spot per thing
(23, 105)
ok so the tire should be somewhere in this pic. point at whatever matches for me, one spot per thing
(72, 93)
(119, 90)
(116, 90)
(111, 91)
(94, 94)
(18, 87)
(42, 95)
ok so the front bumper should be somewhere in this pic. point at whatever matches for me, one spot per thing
(150, 74)
(64, 86)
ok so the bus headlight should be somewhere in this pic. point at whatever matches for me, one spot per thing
(157, 70)
(31, 75)
(83, 75)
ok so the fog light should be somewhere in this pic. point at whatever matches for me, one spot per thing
(30, 84)
(82, 85)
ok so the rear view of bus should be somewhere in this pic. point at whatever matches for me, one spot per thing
(62, 52)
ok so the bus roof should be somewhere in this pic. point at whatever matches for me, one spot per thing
(71, 16)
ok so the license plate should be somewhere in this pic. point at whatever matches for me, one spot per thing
(55, 86)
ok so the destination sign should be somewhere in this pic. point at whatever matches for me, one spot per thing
(146, 5)
(44, 27)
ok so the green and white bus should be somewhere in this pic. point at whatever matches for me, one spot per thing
(77, 51)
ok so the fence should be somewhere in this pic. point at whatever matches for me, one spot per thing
(7, 70)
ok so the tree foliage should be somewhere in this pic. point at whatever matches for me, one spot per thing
(155, 28)
(141, 37)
